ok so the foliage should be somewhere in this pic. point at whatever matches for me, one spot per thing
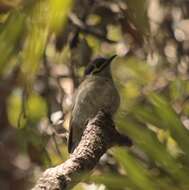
(45, 46)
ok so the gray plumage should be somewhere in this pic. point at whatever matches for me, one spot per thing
(96, 92)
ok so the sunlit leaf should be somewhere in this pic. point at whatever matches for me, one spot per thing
(171, 121)
(148, 141)
(58, 12)
(46, 17)
(36, 107)
(14, 107)
(10, 36)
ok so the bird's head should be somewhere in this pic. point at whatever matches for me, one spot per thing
(99, 66)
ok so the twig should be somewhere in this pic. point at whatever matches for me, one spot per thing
(48, 99)
(22, 114)
(47, 86)
(56, 145)
(88, 29)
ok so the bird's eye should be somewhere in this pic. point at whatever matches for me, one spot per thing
(99, 64)
(95, 66)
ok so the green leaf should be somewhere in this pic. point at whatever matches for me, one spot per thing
(113, 181)
(136, 173)
(58, 12)
(14, 106)
(171, 121)
(146, 114)
(36, 107)
(45, 18)
(10, 35)
(148, 142)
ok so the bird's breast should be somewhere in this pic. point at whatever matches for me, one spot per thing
(93, 95)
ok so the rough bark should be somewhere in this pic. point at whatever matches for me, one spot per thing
(99, 135)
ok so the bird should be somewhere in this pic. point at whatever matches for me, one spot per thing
(96, 92)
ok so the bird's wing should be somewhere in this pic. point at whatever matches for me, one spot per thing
(75, 130)
(70, 136)
(73, 126)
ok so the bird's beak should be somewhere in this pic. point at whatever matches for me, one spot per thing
(109, 60)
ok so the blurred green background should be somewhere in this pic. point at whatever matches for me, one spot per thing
(45, 46)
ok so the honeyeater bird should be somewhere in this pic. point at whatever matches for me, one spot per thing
(96, 92)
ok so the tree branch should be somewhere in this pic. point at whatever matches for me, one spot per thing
(99, 135)
(89, 29)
